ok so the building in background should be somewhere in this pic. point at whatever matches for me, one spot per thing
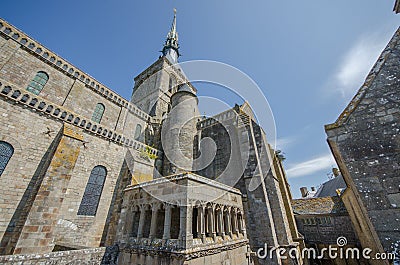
(322, 218)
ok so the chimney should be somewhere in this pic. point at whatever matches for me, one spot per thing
(335, 172)
(304, 192)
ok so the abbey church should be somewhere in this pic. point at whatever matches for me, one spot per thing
(89, 177)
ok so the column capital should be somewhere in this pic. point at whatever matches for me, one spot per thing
(155, 206)
(143, 207)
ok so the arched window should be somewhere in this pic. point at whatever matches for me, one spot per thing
(138, 131)
(6, 152)
(94, 187)
(98, 113)
(38, 82)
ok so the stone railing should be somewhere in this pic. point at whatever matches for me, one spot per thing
(41, 106)
(100, 255)
(219, 118)
(44, 54)
(185, 175)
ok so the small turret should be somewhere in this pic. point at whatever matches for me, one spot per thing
(179, 130)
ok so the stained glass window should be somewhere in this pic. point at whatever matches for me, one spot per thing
(37, 83)
(94, 188)
(6, 152)
(98, 113)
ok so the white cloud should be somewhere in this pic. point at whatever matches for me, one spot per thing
(284, 143)
(357, 62)
(311, 166)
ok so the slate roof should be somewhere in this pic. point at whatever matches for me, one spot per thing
(329, 188)
(323, 205)
(375, 71)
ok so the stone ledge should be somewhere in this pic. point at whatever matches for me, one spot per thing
(52, 255)
(182, 254)
(187, 175)
(54, 111)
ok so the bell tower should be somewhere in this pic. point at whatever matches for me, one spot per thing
(155, 85)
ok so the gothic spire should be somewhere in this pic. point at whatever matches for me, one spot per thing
(171, 46)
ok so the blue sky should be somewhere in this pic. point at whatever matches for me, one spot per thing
(308, 57)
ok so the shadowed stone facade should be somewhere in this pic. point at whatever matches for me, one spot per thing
(365, 141)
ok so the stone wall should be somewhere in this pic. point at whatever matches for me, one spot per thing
(242, 147)
(236, 256)
(56, 180)
(56, 145)
(365, 141)
(25, 171)
(94, 256)
(317, 229)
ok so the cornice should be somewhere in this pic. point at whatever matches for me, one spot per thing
(56, 112)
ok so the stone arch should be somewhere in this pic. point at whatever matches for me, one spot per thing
(160, 222)
(133, 230)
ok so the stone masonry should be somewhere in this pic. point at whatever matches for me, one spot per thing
(75, 144)
(365, 141)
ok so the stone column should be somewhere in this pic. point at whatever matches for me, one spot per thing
(185, 226)
(221, 227)
(234, 222)
(213, 224)
(201, 223)
(243, 225)
(208, 222)
(167, 222)
(217, 224)
(153, 226)
(123, 223)
(228, 221)
(239, 222)
(141, 221)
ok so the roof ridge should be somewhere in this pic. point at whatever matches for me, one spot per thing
(369, 79)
